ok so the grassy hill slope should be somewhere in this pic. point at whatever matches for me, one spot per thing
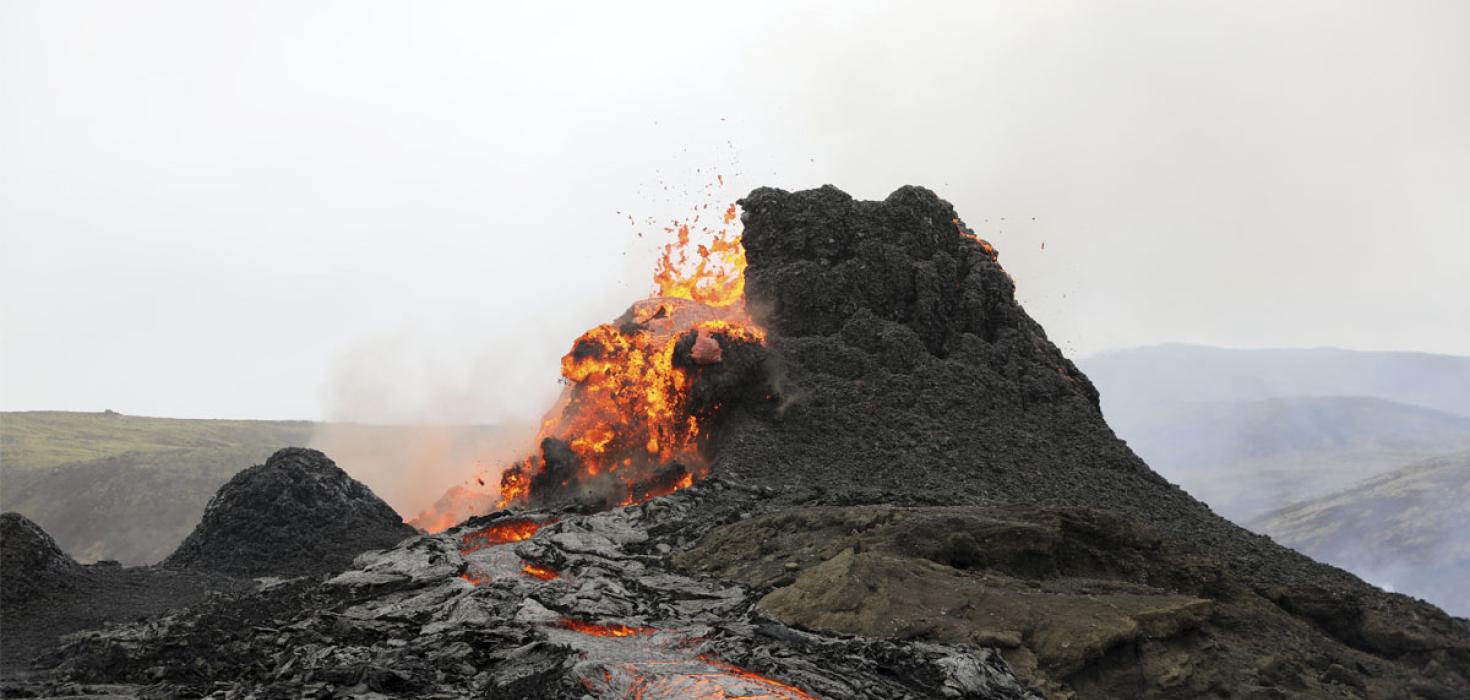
(39, 439)
(110, 486)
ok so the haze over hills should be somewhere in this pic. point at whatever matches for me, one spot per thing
(130, 488)
(1248, 457)
(1248, 431)
(112, 486)
(1134, 379)
(1408, 530)
(1309, 446)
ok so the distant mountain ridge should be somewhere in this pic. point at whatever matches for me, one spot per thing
(1173, 373)
(1245, 458)
(38, 439)
(1249, 431)
(1408, 530)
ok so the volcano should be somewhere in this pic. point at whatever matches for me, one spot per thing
(836, 460)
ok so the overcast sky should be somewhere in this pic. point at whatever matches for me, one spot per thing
(407, 211)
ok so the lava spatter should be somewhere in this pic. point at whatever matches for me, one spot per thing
(627, 428)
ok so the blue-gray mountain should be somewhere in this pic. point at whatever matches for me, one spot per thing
(1250, 431)
(1408, 530)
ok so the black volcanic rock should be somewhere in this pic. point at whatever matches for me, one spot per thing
(31, 563)
(906, 373)
(297, 514)
(434, 618)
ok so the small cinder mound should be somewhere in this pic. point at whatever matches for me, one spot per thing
(297, 514)
(31, 563)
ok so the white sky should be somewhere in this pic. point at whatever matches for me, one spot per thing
(407, 211)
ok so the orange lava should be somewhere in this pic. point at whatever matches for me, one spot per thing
(714, 275)
(474, 576)
(540, 572)
(602, 630)
(984, 244)
(626, 412)
(660, 679)
(499, 533)
(780, 690)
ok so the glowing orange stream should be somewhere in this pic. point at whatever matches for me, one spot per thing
(498, 533)
(540, 572)
(602, 630)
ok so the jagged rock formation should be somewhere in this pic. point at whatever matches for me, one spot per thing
(459, 615)
(907, 373)
(1079, 601)
(45, 594)
(31, 563)
(297, 514)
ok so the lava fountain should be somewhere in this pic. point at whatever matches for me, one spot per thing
(631, 424)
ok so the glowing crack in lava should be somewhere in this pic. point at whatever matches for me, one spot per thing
(659, 664)
(500, 533)
(626, 428)
(539, 572)
(602, 630)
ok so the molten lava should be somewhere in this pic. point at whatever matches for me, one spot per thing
(984, 244)
(626, 429)
(602, 630)
(772, 687)
(539, 572)
(474, 576)
(499, 533)
(717, 277)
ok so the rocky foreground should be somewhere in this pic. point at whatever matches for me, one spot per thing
(730, 588)
(583, 605)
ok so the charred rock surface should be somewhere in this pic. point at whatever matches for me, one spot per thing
(298, 514)
(529, 605)
(1081, 602)
(907, 373)
(45, 594)
(31, 563)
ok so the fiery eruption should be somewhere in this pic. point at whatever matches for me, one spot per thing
(627, 428)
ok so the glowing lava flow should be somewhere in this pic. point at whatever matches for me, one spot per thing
(657, 664)
(602, 630)
(539, 572)
(626, 429)
(499, 533)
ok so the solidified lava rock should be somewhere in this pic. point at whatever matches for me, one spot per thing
(31, 563)
(297, 514)
(407, 623)
(906, 373)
